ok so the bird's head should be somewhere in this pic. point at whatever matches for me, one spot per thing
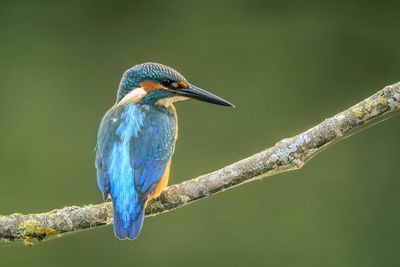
(156, 84)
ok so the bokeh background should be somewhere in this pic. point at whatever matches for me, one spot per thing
(287, 65)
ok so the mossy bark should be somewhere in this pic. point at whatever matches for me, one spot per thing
(288, 154)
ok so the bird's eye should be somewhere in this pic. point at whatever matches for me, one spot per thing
(170, 83)
(166, 82)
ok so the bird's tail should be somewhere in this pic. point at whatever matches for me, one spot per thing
(133, 226)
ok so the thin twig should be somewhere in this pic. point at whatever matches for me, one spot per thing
(288, 154)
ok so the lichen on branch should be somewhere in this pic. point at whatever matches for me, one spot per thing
(288, 154)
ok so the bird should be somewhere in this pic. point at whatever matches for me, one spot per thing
(136, 140)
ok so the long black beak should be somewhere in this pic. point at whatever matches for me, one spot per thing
(202, 95)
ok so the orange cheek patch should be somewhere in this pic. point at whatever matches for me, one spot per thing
(182, 85)
(150, 86)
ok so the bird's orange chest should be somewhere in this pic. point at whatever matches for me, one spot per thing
(164, 181)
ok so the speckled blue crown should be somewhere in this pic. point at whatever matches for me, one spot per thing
(146, 72)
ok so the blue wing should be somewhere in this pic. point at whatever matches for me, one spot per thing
(135, 144)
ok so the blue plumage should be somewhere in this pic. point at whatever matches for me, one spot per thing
(146, 72)
(136, 140)
(133, 229)
(135, 144)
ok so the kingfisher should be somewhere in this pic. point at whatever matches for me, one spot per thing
(136, 140)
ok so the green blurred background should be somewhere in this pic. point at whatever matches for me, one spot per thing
(287, 65)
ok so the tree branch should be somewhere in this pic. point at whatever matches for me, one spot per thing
(288, 154)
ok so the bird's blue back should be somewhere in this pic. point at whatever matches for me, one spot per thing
(135, 144)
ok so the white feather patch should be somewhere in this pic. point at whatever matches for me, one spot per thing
(166, 102)
(134, 96)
